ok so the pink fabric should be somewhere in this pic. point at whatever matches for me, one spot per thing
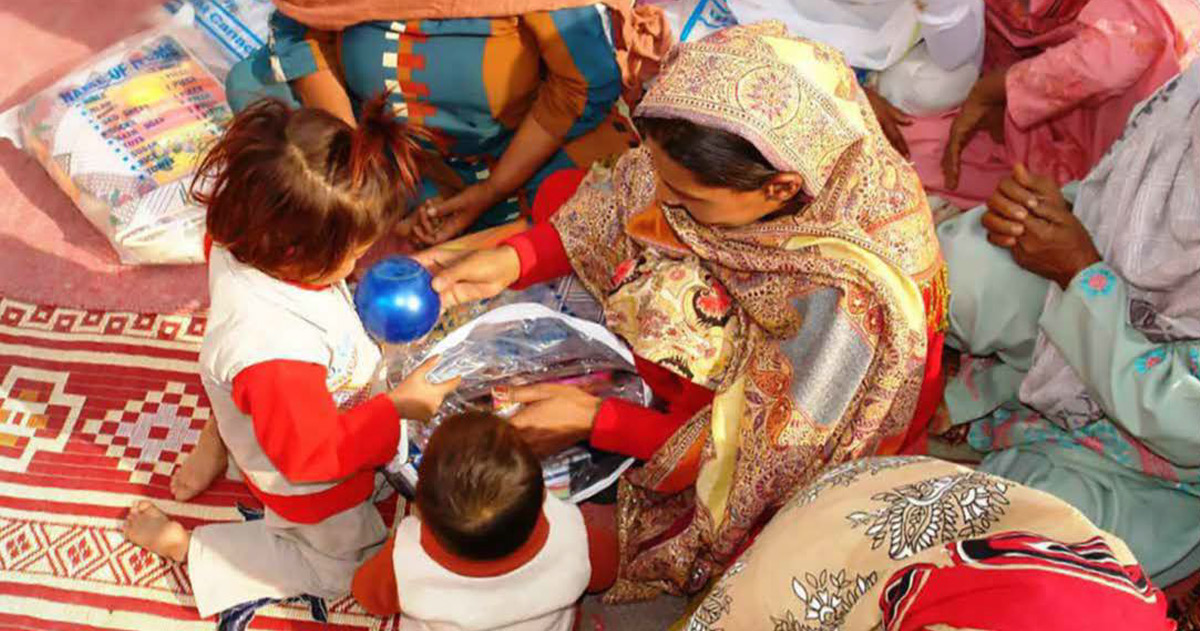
(984, 163)
(1017, 26)
(1069, 99)
(48, 252)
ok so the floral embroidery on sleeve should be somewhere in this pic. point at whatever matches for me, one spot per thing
(1150, 360)
(1097, 282)
(1194, 361)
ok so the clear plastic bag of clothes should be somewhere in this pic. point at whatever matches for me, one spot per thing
(122, 136)
(524, 344)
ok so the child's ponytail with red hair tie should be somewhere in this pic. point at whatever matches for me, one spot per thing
(380, 137)
(295, 192)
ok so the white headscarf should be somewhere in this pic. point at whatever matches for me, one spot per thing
(874, 34)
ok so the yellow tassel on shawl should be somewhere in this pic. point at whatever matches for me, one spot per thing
(936, 293)
(716, 477)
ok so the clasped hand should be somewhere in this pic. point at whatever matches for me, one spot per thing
(1029, 216)
(437, 220)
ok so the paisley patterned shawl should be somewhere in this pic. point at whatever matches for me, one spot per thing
(861, 255)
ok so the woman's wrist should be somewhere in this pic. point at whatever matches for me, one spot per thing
(995, 86)
(597, 404)
(492, 193)
(591, 413)
(528, 151)
(508, 264)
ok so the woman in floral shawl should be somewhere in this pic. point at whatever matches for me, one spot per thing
(771, 261)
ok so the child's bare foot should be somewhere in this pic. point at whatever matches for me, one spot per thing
(204, 465)
(150, 528)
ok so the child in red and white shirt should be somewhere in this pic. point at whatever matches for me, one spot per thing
(294, 198)
(486, 547)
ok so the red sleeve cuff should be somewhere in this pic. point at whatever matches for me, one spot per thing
(630, 429)
(605, 427)
(543, 257)
(382, 429)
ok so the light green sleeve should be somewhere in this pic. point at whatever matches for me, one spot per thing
(1151, 390)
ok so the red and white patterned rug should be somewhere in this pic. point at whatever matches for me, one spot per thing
(95, 410)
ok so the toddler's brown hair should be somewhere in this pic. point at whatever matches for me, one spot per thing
(294, 192)
(479, 487)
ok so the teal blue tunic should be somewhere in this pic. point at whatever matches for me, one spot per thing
(471, 81)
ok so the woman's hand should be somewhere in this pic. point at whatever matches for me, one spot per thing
(1055, 245)
(554, 417)
(891, 119)
(1007, 211)
(983, 109)
(416, 398)
(1029, 215)
(529, 149)
(439, 221)
(462, 276)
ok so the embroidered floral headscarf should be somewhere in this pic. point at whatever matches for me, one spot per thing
(738, 309)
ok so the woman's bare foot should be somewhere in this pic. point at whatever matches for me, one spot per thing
(205, 464)
(148, 527)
